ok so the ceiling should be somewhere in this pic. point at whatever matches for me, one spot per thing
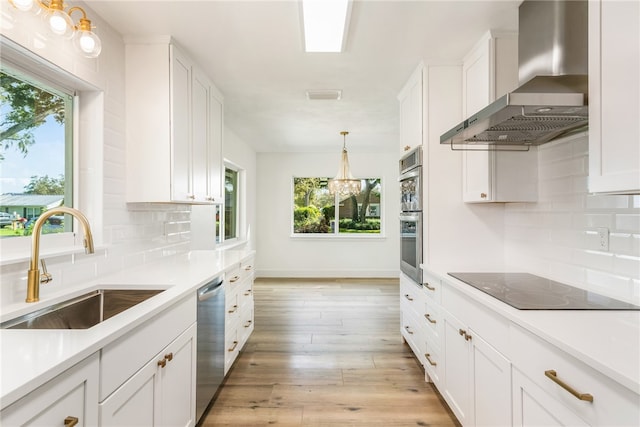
(253, 51)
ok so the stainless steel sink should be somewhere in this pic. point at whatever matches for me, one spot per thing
(82, 312)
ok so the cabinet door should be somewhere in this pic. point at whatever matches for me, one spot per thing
(411, 112)
(73, 394)
(216, 167)
(180, 126)
(176, 401)
(614, 96)
(133, 404)
(533, 407)
(457, 369)
(491, 384)
(199, 135)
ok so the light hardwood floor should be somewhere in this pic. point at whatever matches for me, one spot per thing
(327, 353)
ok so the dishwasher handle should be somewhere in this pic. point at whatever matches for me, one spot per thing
(211, 289)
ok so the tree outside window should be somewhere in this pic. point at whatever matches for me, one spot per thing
(317, 211)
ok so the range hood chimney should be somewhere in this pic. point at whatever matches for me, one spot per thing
(552, 99)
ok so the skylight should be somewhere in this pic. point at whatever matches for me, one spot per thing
(325, 24)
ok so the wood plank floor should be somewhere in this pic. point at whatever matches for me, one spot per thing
(327, 352)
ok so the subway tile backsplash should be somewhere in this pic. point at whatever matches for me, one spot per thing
(558, 236)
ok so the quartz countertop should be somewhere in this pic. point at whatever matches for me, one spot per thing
(29, 358)
(606, 340)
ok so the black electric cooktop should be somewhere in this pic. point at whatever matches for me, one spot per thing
(528, 292)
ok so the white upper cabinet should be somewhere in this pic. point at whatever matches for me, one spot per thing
(174, 133)
(489, 71)
(411, 111)
(614, 97)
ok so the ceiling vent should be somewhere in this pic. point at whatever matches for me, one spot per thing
(324, 95)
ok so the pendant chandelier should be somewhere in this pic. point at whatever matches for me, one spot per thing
(344, 183)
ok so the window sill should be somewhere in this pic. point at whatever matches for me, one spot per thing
(312, 236)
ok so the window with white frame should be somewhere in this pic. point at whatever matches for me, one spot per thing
(317, 211)
(231, 203)
(36, 152)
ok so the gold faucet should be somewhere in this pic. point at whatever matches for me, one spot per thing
(33, 276)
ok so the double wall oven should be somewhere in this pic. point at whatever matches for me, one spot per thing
(411, 214)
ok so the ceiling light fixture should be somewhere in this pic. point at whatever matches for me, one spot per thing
(61, 24)
(325, 24)
(344, 183)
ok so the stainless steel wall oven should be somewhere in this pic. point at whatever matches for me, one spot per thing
(411, 206)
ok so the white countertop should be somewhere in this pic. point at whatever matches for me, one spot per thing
(29, 358)
(606, 340)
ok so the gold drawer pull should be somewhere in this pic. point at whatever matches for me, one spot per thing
(483, 195)
(407, 296)
(233, 347)
(233, 309)
(428, 286)
(234, 279)
(248, 324)
(162, 363)
(246, 294)
(248, 267)
(169, 357)
(553, 376)
(70, 421)
(408, 329)
(428, 316)
(464, 333)
(431, 362)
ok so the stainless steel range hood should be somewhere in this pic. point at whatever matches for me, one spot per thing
(552, 99)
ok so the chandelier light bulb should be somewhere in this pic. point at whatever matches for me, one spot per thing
(60, 23)
(88, 43)
(23, 5)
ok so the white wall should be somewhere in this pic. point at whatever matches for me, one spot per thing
(557, 238)
(126, 235)
(281, 255)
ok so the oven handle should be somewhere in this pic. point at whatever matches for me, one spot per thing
(410, 218)
(414, 173)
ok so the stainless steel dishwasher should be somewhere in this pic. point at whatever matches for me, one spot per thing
(210, 353)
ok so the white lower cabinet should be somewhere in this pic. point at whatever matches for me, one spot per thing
(239, 322)
(159, 394)
(69, 399)
(477, 377)
(413, 329)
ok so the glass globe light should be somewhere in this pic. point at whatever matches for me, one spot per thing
(23, 5)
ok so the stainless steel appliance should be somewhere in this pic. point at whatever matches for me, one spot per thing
(552, 99)
(411, 214)
(210, 352)
(529, 292)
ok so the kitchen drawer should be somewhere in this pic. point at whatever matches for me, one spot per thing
(411, 296)
(432, 286)
(123, 357)
(232, 309)
(432, 317)
(245, 327)
(433, 363)
(231, 348)
(613, 404)
(247, 265)
(245, 293)
(413, 332)
(492, 327)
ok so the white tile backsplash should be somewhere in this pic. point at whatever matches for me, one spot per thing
(557, 236)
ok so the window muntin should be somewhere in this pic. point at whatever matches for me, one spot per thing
(230, 204)
(315, 212)
(36, 148)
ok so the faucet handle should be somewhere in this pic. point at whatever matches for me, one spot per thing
(45, 277)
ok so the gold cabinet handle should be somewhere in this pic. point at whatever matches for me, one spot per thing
(234, 309)
(234, 279)
(248, 323)
(233, 347)
(483, 195)
(428, 317)
(162, 363)
(169, 357)
(407, 296)
(553, 376)
(408, 329)
(246, 294)
(407, 147)
(431, 362)
(71, 421)
(248, 267)
(464, 333)
(431, 288)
